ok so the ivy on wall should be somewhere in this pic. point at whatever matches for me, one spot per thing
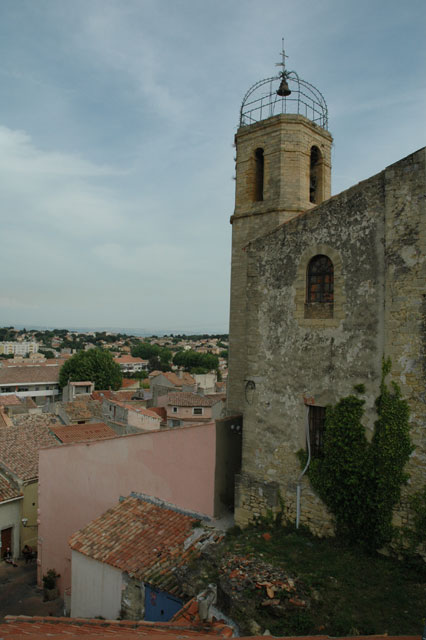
(361, 481)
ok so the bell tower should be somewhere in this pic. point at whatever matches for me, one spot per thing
(283, 168)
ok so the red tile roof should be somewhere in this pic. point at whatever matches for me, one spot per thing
(101, 395)
(8, 490)
(29, 373)
(188, 399)
(124, 396)
(9, 400)
(175, 380)
(129, 382)
(39, 628)
(145, 539)
(126, 359)
(113, 395)
(82, 432)
(19, 446)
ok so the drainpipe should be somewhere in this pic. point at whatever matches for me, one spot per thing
(299, 479)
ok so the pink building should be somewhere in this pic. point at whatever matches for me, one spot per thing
(185, 407)
(190, 467)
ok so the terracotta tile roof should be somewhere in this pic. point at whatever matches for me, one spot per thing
(39, 628)
(126, 359)
(82, 432)
(5, 421)
(124, 396)
(188, 399)
(145, 539)
(175, 380)
(113, 395)
(128, 382)
(101, 395)
(9, 400)
(29, 373)
(35, 419)
(8, 490)
(50, 628)
(19, 446)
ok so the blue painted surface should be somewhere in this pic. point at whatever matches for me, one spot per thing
(159, 605)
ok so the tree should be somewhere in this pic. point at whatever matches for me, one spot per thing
(160, 356)
(47, 353)
(95, 365)
(196, 362)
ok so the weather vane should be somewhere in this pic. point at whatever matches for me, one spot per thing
(283, 56)
(283, 90)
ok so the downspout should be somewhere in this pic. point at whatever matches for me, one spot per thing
(299, 479)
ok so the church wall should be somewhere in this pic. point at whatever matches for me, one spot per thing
(405, 300)
(295, 362)
(375, 235)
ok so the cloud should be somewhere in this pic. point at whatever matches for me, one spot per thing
(49, 191)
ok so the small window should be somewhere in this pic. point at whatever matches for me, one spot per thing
(197, 411)
(174, 409)
(320, 280)
(319, 303)
(316, 430)
(259, 175)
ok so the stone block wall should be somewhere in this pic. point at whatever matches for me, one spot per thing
(405, 296)
(286, 141)
(375, 235)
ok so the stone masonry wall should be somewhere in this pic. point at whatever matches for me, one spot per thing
(295, 362)
(405, 300)
(286, 141)
(375, 235)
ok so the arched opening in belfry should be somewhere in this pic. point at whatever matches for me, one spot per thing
(259, 172)
(315, 176)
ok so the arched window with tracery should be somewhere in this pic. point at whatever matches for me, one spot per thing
(319, 288)
(259, 170)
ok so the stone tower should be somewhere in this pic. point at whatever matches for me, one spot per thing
(283, 168)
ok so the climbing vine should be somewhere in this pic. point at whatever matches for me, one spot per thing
(361, 481)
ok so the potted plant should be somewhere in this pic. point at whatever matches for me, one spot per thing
(50, 590)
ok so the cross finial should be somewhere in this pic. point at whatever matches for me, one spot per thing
(283, 57)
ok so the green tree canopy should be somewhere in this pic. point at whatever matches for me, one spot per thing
(160, 356)
(95, 365)
(198, 362)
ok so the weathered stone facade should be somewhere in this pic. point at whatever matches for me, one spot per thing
(286, 141)
(286, 356)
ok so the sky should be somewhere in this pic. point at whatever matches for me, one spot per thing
(117, 120)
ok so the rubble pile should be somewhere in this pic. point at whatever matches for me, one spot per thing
(248, 576)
